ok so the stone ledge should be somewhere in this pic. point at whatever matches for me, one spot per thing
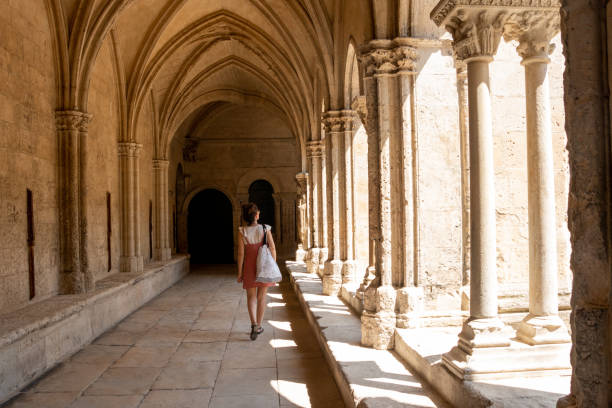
(37, 337)
(422, 349)
(366, 377)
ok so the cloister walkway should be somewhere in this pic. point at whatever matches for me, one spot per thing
(189, 347)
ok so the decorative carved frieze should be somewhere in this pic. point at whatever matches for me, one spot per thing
(534, 31)
(446, 8)
(315, 148)
(128, 149)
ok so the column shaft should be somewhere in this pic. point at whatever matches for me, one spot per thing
(160, 177)
(483, 283)
(131, 261)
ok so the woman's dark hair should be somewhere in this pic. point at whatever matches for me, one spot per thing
(249, 211)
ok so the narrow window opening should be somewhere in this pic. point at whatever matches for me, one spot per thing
(108, 231)
(31, 271)
(175, 231)
(150, 229)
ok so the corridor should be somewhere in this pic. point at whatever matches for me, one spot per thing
(189, 347)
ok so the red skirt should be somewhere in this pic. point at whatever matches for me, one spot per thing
(249, 268)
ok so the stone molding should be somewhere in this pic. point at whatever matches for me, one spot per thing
(387, 57)
(302, 182)
(68, 120)
(315, 148)
(129, 149)
(534, 31)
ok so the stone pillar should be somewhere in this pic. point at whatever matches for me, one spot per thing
(161, 247)
(131, 259)
(72, 138)
(378, 318)
(334, 148)
(301, 216)
(314, 150)
(410, 295)
(534, 32)
(277, 230)
(476, 36)
(349, 119)
(324, 206)
(464, 152)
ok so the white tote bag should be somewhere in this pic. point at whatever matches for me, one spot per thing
(267, 269)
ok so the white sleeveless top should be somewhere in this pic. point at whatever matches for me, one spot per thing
(254, 233)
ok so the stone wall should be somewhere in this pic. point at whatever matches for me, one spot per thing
(102, 165)
(28, 152)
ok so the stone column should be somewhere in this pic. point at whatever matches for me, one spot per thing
(476, 36)
(334, 148)
(349, 118)
(410, 295)
(277, 230)
(314, 151)
(301, 216)
(464, 152)
(131, 259)
(324, 205)
(72, 134)
(378, 318)
(161, 248)
(534, 31)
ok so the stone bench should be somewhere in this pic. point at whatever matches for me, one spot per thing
(37, 337)
(365, 377)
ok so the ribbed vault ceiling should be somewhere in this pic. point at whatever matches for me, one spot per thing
(185, 56)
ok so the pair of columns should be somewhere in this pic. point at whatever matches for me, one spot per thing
(301, 180)
(317, 203)
(131, 259)
(393, 298)
(476, 33)
(339, 268)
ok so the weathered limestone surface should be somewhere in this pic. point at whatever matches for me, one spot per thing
(588, 210)
(35, 339)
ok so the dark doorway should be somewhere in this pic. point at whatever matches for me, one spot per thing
(260, 193)
(210, 230)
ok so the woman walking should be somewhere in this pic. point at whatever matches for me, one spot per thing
(251, 239)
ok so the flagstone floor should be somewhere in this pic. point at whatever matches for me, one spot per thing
(189, 347)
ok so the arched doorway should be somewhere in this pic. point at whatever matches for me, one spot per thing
(260, 193)
(210, 230)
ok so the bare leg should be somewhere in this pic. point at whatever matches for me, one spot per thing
(261, 304)
(252, 303)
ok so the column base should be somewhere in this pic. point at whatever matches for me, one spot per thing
(323, 255)
(535, 330)
(162, 254)
(569, 401)
(489, 363)
(312, 261)
(332, 277)
(131, 264)
(348, 271)
(410, 300)
(369, 276)
(378, 327)
(300, 254)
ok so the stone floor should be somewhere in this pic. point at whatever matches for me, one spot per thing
(189, 347)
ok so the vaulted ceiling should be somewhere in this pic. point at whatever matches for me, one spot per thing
(187, 56)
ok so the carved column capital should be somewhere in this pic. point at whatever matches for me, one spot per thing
(72, 120)
(384, 57)
(302, 181)
(129, 149)
(315, 148)
(534, 30)
(160, 164)
(361, 109)
(333, 121)
(477, 25)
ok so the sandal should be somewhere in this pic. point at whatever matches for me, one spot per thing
(254, 332)
(260, 330)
